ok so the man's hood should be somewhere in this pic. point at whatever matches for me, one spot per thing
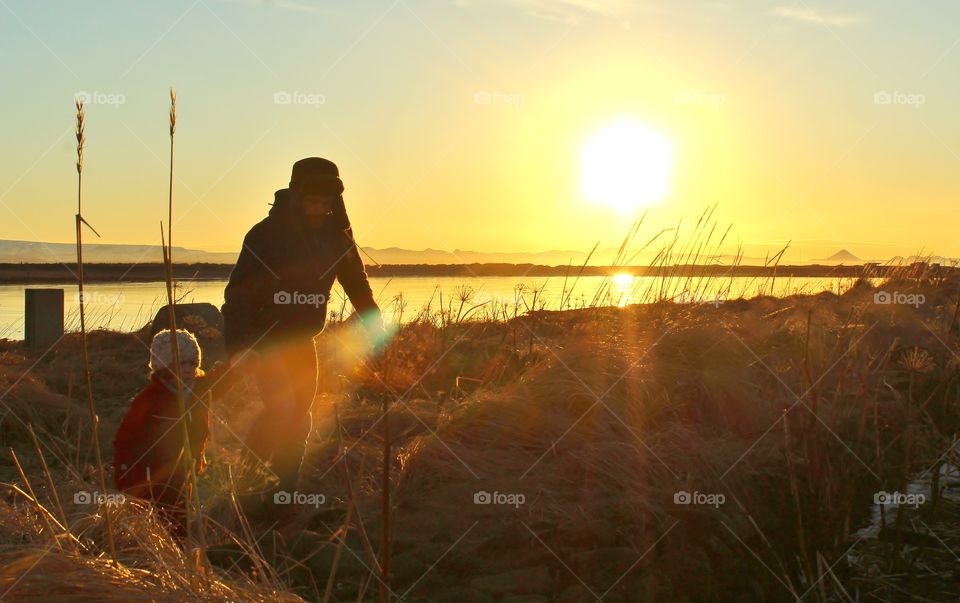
(282, 205)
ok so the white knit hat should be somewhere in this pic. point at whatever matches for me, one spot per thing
(161, 350)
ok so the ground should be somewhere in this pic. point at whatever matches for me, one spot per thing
(668, 452)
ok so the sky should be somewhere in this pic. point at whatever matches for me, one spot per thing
(461, 124)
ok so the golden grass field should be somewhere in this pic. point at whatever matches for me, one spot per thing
(781, 417)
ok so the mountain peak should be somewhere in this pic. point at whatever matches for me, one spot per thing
(842, 256)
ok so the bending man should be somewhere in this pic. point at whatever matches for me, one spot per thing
(276, 303)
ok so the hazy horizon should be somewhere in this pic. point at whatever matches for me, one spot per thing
(12, 251)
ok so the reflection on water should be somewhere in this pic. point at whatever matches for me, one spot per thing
(129, 306)
(623, 288)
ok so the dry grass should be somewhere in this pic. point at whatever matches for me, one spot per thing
(692, 397)
(696, 398)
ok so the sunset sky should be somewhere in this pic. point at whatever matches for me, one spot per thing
(461, 124)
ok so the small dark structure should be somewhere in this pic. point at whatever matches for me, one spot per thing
(43, 317)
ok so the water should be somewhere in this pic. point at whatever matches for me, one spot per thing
(129, 306)
(919, 492)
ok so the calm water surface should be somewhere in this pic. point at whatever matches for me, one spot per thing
(129, 306)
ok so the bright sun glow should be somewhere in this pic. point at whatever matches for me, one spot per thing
(623, 282)
(626, 166)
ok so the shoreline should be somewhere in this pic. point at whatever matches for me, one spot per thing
(26, 274)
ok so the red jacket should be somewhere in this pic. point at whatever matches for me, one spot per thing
(147, 457)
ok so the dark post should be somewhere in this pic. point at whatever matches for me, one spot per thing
(43, 317)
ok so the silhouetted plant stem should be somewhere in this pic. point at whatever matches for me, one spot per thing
(94, 419)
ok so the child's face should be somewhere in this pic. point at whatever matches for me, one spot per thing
(188, 373)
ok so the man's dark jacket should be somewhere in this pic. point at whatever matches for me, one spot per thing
(283, 261)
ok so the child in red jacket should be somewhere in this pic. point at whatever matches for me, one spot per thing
(149, 447)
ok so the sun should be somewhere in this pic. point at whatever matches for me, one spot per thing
(626, 166)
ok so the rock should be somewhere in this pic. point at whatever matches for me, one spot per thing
(525, 581)
(192, 317)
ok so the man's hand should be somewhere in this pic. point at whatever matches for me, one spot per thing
(376, 333)
(243, 358)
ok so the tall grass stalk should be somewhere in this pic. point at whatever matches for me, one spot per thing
(192, 505)
(94, 419)
(51, 484)
(44, 514)
(385, 506)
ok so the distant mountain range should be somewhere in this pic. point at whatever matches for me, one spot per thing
(396, 255)
(34, 252)
(933, 259)
(847, 258)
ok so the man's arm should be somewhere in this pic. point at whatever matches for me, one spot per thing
(247, 292)
(353, 278)
(223, 377)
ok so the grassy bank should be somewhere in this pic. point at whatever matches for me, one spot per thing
(722, 451)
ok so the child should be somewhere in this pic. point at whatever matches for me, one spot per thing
(149, 447)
